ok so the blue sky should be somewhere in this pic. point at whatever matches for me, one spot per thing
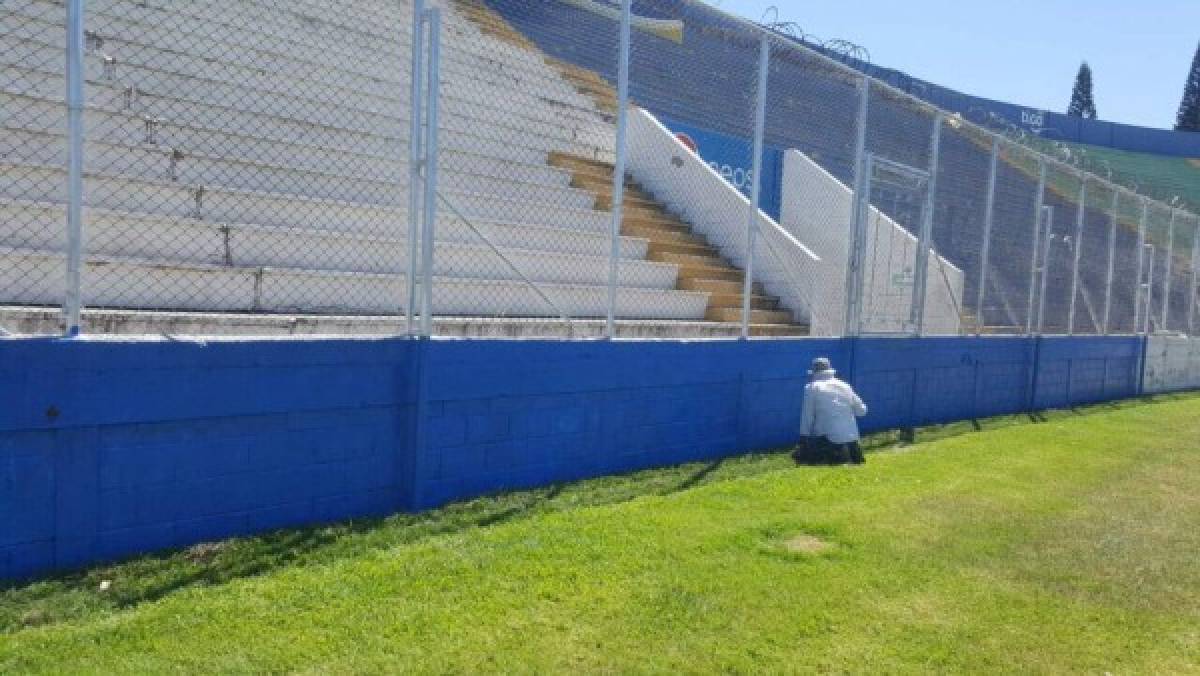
(1019, 51)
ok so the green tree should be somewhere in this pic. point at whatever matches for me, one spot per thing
(1082, 103)
(1188, 118)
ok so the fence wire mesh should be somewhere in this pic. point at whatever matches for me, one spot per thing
(268, 167)
(813, 124)
(960, 227)
(33, 149)
(244, 157)
(695, 213)
(1007, 306)
(526, 149)
(1093, 227)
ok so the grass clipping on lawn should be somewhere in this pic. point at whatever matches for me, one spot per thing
(1068, 545)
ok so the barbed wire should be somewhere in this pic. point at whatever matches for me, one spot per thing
(842, 49)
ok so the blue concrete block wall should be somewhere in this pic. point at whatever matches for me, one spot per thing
(1086, 370)
(504, 415)
(110, 448)
(910, 382)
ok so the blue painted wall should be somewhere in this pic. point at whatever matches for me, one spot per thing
(109, 449)
(506, 415)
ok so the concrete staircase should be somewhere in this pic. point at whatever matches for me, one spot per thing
(671, 240)
(585, 81)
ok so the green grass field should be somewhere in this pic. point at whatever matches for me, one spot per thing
(1069, 544)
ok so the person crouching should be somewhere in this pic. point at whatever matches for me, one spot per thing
(828, 419)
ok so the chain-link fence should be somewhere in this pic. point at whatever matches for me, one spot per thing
(466, 167)
(33, 185)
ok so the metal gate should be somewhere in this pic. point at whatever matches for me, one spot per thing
(888, 285)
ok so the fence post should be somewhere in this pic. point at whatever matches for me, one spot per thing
(1080, 215)
(1141, 267)
(73, 300)
(431, 169)
(1167, 271)
(760, 118)
(618, 184)
(1035, 246)
(415, 159)
(858, 205)
(985, 254)
(921, 274)
(1194, 291)
(1149, 252)
(1048, 214)
(1113, 217)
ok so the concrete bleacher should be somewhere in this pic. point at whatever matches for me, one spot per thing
(245, 159)
(707, 81)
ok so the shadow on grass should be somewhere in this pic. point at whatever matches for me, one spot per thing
(151, 577)
(699, 476)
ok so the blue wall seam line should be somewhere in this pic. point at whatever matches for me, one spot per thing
(1144, 354)
(1035, 364)
(1070, 377)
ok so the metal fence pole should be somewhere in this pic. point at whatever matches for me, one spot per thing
(1194, 291)
(858, 208)
(618, 184)
(1167, 271)
(985, 254)
(1141, 266)
(760, 118)
(921, 274)
(1149, 253)
(1080, 214)
(431, 169)
(1113, 217)
(73, 300)
(1047, 237)
(1035, 246)
(415, 160)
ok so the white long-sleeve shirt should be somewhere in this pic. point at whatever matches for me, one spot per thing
(830, 410)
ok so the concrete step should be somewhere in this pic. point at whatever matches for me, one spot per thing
(47, 183)
(113, 114)
(722, 273)
(46, 320)
(727, 314)
(290, 49)
(143, 64)
(633, 198)
(648, 213)
(719, 286)
(658, 235)
(692, 260)
(779, 330)
(595, 175)
(459, 251)
(668, 227)
(600, 167)
(630, 205)
(41, 222)
(734, 300)
(484, 124)
(689, 248)
(367, 28)
(155, 162)
(132, 283)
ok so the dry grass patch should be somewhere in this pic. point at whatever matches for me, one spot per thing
(807, 544)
